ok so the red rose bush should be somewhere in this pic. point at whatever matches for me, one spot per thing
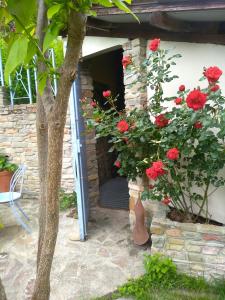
(179, 150)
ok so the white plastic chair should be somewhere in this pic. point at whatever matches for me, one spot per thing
(11, 198)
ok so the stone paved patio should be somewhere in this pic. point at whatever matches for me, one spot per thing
(81, 270)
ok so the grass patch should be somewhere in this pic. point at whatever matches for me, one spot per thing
(162, 281)
(67, 200)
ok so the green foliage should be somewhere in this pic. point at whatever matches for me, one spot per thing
(193, 176)
(18, 25)
(16, 56)
(67, 200)
(56, 45)
(5, 165)
(162, 281)
(159, 268)
(19, 10)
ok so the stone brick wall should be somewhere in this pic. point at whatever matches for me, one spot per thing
(18, 140)
(92, 164)
(197, 249)
(135, 96)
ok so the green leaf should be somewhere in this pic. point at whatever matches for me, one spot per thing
(16, 57)
(42, 79)
(24, 10)
(92, 13)
(123, 7)
(54, 10)
(51, 35)
(31, 51)
(106, 3)
(4, 15)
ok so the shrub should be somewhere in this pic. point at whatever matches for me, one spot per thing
(159, 268)
(180, 150)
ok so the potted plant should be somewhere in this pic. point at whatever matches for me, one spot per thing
(6, 171)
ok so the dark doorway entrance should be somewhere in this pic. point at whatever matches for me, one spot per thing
(107, 73)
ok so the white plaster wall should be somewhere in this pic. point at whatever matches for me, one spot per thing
(94, 44)
(189, 68)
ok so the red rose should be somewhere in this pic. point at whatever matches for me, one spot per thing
(93, 103)
(161, 121)
(198, 125)
(166, 200)
(215, 88)
(212, 74)
(182, 88)
(126, 61)
(122, 126)
(172, 154)
(158, 166)
(154, 45)
(178, 101)
(152, 173)
(155, 170)
(196, 99)
(117, 163)
(106, 94)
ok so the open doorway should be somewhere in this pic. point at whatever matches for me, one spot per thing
(106, 71)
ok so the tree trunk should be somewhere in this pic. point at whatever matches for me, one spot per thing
(2, 291)
(56, 118)
(42, 132)
(42, 141)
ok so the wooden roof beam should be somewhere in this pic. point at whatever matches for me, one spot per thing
(163, 21)
(165, 5)
(132, 31)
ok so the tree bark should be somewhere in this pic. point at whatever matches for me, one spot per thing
(42, 141)
(2, 291)
(56, 119)
(42, 133)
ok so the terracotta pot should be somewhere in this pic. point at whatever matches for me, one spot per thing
(5, 177)
(140, 233)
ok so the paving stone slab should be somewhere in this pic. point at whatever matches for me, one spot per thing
(81, 270)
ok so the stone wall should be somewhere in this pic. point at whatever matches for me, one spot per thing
(18, 140)
(135, 96)
(92, 164)
(197, 249)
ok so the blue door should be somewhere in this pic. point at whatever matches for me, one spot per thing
(79, 159)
